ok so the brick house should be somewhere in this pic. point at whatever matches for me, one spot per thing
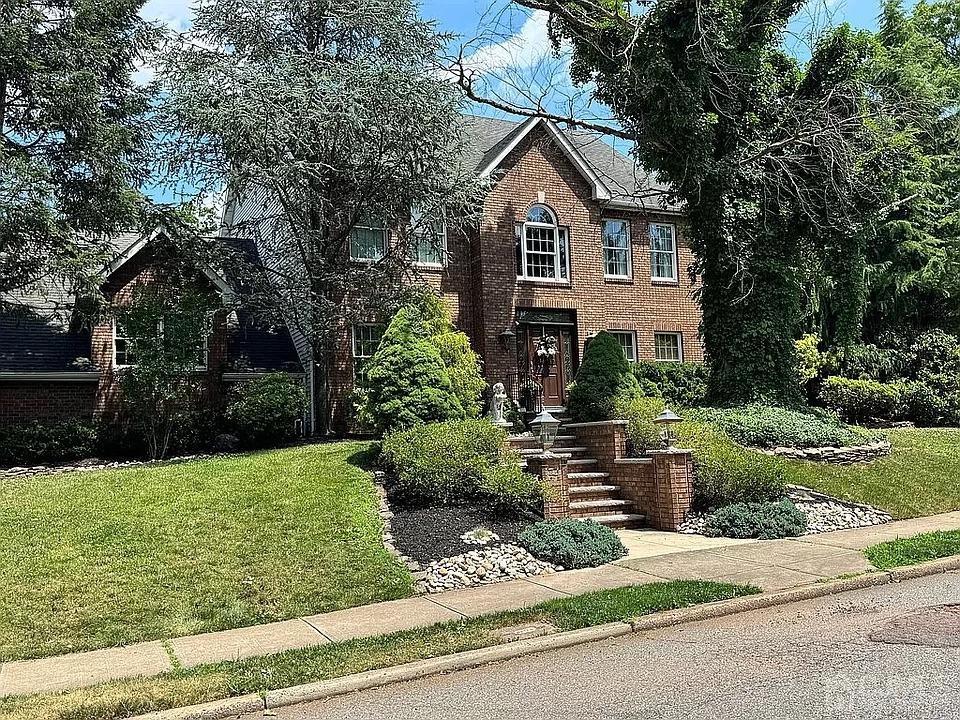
(573, 240)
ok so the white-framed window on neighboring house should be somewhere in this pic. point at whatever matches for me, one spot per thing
(628, 341)
(663, 252)
(428, 242)
(368, 240)
(542, 247)
(366, 339)
(617, 255)
(668, 347)
(125, 346)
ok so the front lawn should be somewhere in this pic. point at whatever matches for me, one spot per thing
(913, 550)
(90, 560)
(123, 698)
(919, 478)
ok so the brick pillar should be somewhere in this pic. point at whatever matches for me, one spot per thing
(552, 470)
(672, 488)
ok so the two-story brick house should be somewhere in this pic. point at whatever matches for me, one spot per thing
(573, 240)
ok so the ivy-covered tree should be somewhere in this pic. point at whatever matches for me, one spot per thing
(777, 163)
(328, 124)
(73, 135)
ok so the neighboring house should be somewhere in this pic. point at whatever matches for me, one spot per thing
(573, 240)
(55, 366)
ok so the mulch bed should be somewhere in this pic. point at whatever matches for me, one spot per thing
(433, 533)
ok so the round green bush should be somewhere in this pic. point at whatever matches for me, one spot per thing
(265, 411)
(763, 521)
(603, 378)
(863, 400)
(572, 544)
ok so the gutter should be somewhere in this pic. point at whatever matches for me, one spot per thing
(50, 376)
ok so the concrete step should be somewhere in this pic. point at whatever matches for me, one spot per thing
(574, 463)
(586, 478)
(606, 506)
(566, 452)
(579, 490)
(620, 520)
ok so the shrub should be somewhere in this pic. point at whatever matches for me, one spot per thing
(862, 400)
(452, 462)
(639, 412)
(936, 353)
(679, 384)
(764, 521)
(869, 362)
(725, 472)
(47, 442)
(572, 544)
(766, 426)
(463, 367)
(603, 379)
(408, 385)
(265, 411)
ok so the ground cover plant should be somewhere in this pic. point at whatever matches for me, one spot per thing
(767, 426)
(572, 544)
(763, 521)
(121, 699)
(100, 559)
(913, 550)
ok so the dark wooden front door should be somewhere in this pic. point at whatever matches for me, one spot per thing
(549, 351)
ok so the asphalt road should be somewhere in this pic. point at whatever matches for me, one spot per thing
(887, 652)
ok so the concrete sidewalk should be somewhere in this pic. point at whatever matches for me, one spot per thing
(654, 557)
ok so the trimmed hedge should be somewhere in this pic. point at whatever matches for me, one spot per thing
(863, 400)
(763, 521)
(681, 385)
(766, 426)
(48, 442)
(572, 544)
(452, 462)
(604, 378)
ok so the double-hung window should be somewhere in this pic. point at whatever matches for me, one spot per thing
(628, 341)
(542, 247)
(428, 241)
(124, 346)
(616, 249)
(663, 252)
(668, 347)
(368, 240)
(366, 339)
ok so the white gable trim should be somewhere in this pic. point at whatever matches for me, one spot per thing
(131, 252)
(599, 190)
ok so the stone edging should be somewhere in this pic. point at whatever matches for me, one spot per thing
(386, 515)
(35, 470)
(232, 707)
(833, 455)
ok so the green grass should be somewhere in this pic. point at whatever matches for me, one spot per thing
(913, 550)
(919, 478)
(90, 560)
(122, 699)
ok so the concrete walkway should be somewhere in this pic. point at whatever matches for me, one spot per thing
(654, 557)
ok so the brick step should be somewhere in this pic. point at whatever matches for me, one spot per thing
(592, 493)
(581, 462)
(586, 478)
(620, 520)
(607, 506)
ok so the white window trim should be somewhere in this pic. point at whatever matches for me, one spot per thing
(206, 350)
(633, 338)
(443, 253)
(679, 336)
(384, 244)
(558, 231)
(629, 248)
(676, 254)
(353, 338)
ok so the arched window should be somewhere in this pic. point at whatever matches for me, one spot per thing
(542, 252)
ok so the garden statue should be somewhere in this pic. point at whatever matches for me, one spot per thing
(498, 406)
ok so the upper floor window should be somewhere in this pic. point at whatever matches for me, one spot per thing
(628, 341)
(124, 347)
(668, 347)
(366, 340)
(663, 252)
(542, 247)
(368, 240)
(617, 262)
(428, 242)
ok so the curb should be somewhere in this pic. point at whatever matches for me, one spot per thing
(219, 710)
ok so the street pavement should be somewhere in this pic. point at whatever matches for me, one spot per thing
(886, 652)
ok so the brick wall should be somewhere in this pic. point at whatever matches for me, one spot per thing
(41, 400)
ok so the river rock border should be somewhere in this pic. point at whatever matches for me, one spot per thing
(834, 455)
(94, 465)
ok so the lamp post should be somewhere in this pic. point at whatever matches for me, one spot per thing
(666, 421)
(545, 426)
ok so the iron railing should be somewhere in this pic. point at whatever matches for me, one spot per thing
(525, 391)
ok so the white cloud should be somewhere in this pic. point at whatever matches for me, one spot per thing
(522, 50)
(175, 14)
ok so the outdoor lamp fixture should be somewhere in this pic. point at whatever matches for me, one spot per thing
(666, 420)
(545, 426)
(507, 338)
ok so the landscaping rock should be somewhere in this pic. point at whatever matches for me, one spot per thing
(95, 465)
(837, 456)
(483, 567)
